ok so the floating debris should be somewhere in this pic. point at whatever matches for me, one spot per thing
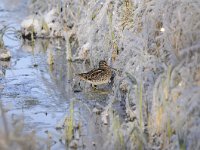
(96, 111)
(73, 144)
(46, 26)
(104, 117)
(5, 55)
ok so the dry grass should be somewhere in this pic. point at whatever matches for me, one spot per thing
(157, 43)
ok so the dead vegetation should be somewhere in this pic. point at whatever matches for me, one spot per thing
(155, 44)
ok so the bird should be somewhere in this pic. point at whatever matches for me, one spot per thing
(99, 75)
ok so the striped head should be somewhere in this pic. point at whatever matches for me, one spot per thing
(103, 64)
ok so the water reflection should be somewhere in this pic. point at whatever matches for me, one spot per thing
(10, 4)
(42, 91)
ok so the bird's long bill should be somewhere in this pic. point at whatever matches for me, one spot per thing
(118, 71)
(114, 69)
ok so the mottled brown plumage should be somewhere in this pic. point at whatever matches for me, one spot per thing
(98, 76)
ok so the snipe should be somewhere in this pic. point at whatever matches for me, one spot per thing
(98, 76)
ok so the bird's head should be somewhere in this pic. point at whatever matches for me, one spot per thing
(103, 64)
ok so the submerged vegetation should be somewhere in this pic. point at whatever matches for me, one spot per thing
(154, 45)
(4, 31)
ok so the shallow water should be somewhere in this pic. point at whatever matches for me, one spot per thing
(40, 94)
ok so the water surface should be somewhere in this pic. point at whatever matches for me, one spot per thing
(40, 94)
